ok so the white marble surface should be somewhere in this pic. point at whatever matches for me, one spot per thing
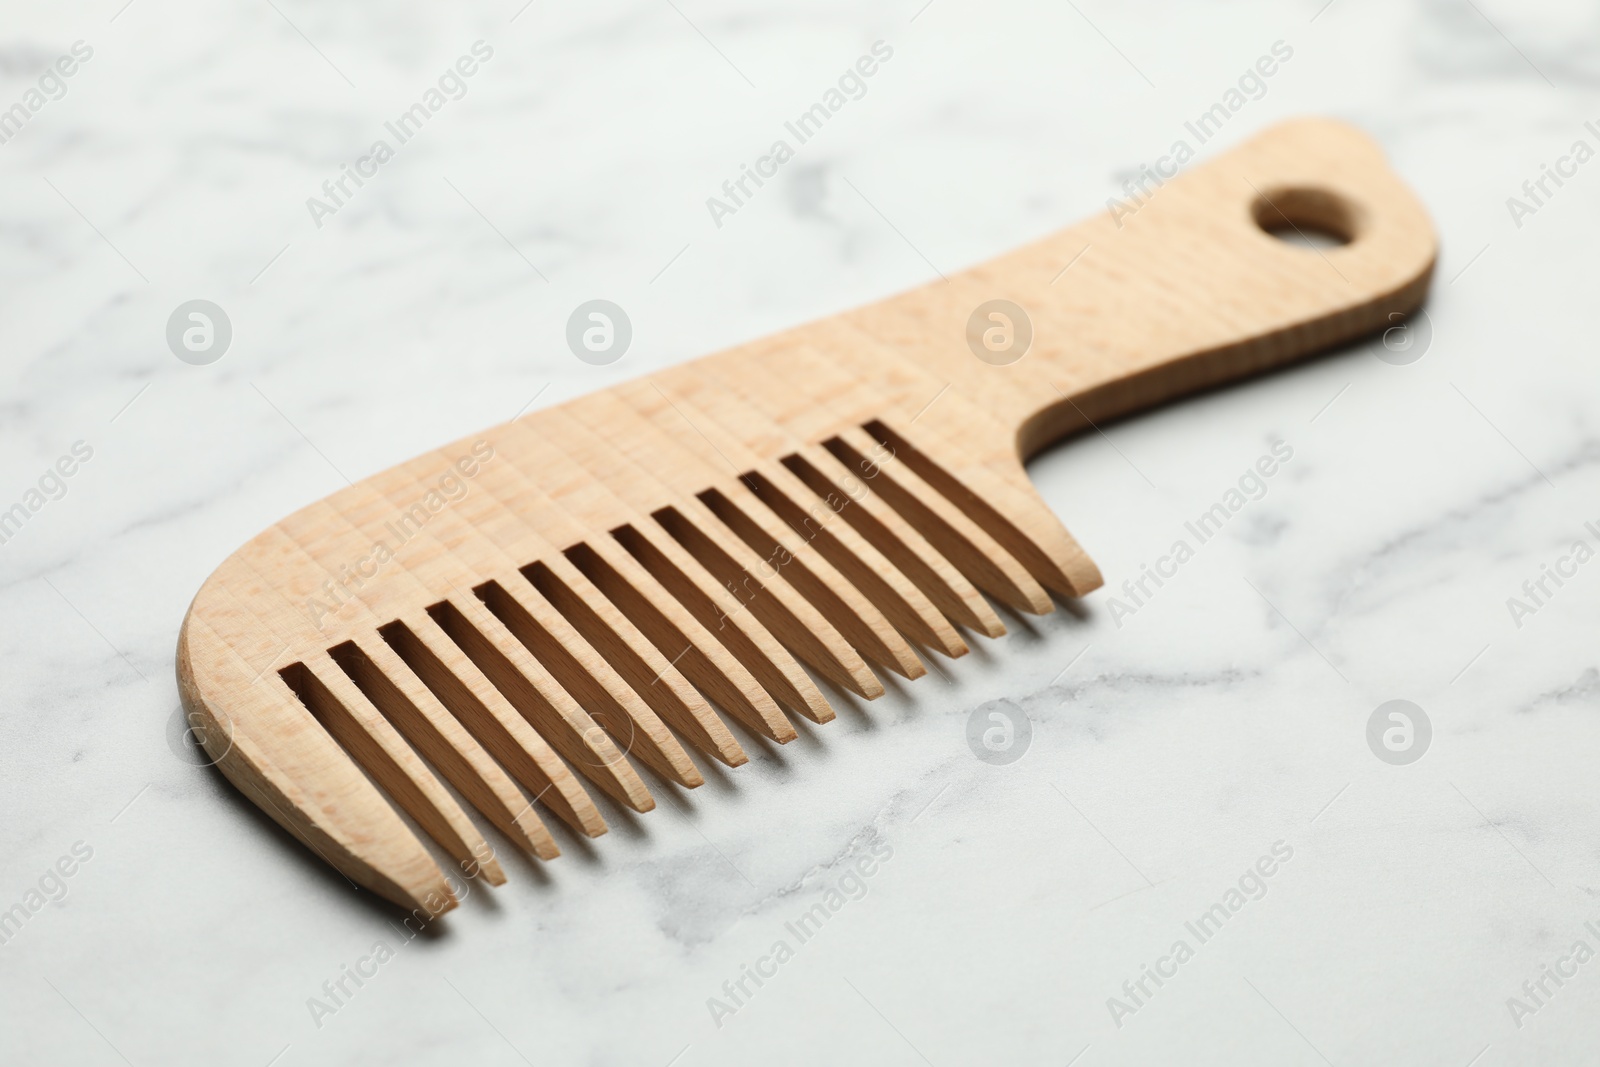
(1168, 754)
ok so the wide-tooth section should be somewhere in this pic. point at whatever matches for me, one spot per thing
(990, 567)
(650, 673)
(371, 741)
(674, 442)
(680, 637)
(884, 527)
(413, 709)
(500, 728)
(609, 700)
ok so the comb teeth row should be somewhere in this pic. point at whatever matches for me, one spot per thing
(529, 675)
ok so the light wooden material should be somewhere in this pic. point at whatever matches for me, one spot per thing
(614, 572)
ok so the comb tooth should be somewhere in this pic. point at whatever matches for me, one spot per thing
(253, 720)
(483, 710)
(732, 425)
(683, 576)
(979, 557)
(679, 636)
(572, 661)
(363, 732)
(1034, 536)
(652, 676)
(770, 598)
(856, 618)
(906, 606)
(689, 451)
(653, 473)
(549, 708)
(880, 524)
(405, 701)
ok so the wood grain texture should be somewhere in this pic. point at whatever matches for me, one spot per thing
(532, 611)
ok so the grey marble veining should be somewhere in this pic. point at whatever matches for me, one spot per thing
(970, 912)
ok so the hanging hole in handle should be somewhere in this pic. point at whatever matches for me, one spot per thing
(1307, 217)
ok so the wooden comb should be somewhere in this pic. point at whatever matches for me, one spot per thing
(535, 610)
